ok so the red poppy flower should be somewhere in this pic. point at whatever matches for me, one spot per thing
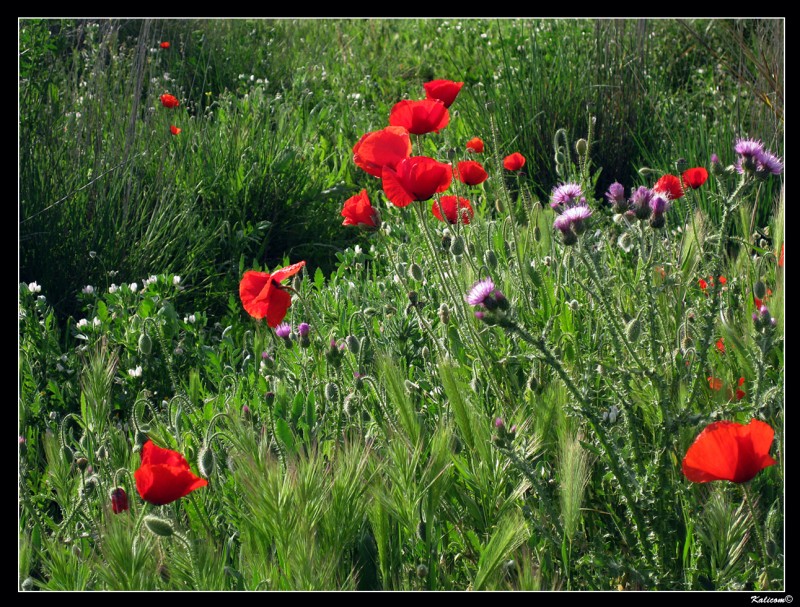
(382, 148)
(416, 178)
(358, 211)
(723, 280)
(729, 451)
(165, 44)
(669, 184)
(262, 295)
(514, 162)
(174, 130)
(169, 101)
(715, 383)
(445, 91)
(694, 178)
(453, 207)
(475, 145)
(721, 345)
(470, 172)
(703, 284)
(119, 500)
(164, 475)
(420, 117)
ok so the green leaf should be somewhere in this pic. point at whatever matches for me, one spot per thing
(319, 279)
(297, 407)
(284, 434)
(311, 409)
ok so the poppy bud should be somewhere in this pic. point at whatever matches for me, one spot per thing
(581, 146)
(681, 164)
(537, 233)
(81, 462)
(633, 329)
(415, 272)
(205, 461)
(119, 500)
(422, 571)
(490, 259)
(457, 246)
(760, 289)
(352, 344)
(159, 526)
(140, 440)
(446, 241)
(559, 158)
(498, 205)
(27, 584)
(444, 313)
(425, 352)
(145, 344)
(574, 305)
(101, 453)
(413, 297)
(332, 392)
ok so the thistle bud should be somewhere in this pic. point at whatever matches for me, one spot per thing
(415, 272)
(159, 526)
(457, 246)
(81, 462)
(205, 461)
(446, 241)
(490, 259)
(145, 344)
(581, 146)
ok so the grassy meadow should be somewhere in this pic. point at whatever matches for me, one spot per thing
(573, 381)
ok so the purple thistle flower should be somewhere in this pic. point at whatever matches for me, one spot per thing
(480, 291)
(283, 330)
(577, 215)
(660, 203)
(770, 163)
(714, 159)
(562, 223)
(616, 197)
(565, 194)
(303, 329)
(640, 202)
(498, 422)
(749, 148)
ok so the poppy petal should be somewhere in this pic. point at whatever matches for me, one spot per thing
(394, 189)
(284, 273)
(278, 303)
(251, 288)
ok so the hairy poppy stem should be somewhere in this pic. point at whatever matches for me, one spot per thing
(759, 537)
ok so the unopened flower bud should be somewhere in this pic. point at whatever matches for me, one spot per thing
(332, 392)
(681, 164)
(413, 297)
(444, 313)
(415, 272)
(119, 500)
(81, 462)
(560, 158)
(422, 571)
(145, 344)
(760, 289)
(490, 259)
(352, 344)
(537, 233)
(205, 461)
(457, 246)
(633, 329)
(297, 282)
(581, 146)
(159, 526)
(574, 305)
(498, 205)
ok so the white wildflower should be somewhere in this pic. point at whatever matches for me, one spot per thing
(34, 287)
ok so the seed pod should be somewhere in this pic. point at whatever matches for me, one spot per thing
(159, 526)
